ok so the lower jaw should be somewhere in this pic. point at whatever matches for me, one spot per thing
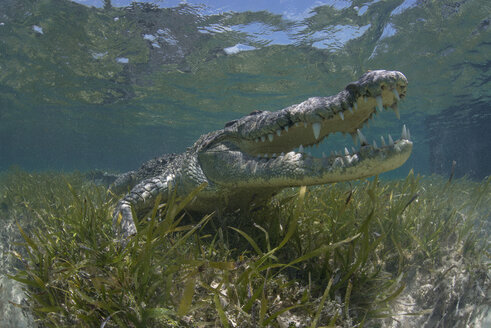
(303, 169)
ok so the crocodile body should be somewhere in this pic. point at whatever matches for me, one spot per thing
(253, 158)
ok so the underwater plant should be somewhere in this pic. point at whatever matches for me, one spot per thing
(342, 255)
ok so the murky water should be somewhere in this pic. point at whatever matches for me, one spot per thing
(109, 87)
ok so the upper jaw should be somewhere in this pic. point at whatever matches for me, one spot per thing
(311, 121)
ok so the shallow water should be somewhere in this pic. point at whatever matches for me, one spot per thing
(92, 84)
(87, 87)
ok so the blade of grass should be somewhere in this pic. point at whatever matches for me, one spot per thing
(187, 295)
(250, 240)
(220, 311)
(321, 304)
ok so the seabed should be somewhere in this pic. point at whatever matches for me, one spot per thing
(407, 253)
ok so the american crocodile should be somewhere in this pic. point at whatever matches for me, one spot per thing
(253, 158)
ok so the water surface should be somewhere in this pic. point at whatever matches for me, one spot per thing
(109, 84)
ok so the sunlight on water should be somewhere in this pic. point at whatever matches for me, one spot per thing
(111, 86)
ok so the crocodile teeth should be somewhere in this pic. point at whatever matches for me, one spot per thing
(404, 132)
(341, 115)
(383, 141)
(350, 109)
(270, 137)
(257, 140)
(300, 149)
(346, 151)
(353, 150)
(396, 110)
(297, 124)
(375, 145)
(286, 128)
(356, 106)
(354, 138)
(391, 141)
(263, 138)
(396, 94)
(282, 154)
(408, 135)
(278, 132)
(362, 138)
(316, 127)
(380, 106)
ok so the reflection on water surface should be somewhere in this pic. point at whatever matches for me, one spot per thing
(112, 85)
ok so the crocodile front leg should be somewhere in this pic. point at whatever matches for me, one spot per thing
(140, 200)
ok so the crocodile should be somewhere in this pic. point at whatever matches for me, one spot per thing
(253, 158)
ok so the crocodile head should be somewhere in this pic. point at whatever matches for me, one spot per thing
(258, 150)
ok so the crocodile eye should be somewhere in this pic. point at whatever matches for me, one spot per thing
(351, 87)
(230, 123)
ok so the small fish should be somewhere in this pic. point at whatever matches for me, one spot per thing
(410, 201)
(350, 194)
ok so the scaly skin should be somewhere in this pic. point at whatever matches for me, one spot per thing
(252, 158)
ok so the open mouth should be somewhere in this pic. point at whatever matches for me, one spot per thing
(374, 145)
(297, 130)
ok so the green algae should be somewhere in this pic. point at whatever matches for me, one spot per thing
(345, 255)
